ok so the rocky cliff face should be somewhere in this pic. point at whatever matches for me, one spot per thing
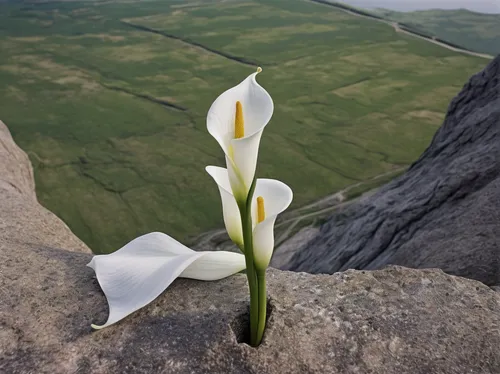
(22, 219)
(443, 213)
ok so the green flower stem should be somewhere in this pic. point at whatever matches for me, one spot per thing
(261, 280)
(246, 223)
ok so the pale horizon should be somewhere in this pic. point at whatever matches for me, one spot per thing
(482, 6)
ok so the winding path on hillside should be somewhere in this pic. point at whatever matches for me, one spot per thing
(397, 28)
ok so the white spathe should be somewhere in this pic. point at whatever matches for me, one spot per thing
(230, 210)
(242, 153)
(140, 271)
(277, 197)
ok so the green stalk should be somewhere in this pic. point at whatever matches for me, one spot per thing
(246, 224)
(261, 280)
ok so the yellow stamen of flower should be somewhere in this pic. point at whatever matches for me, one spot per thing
(259, 69)
(261, 213)
(239, 123)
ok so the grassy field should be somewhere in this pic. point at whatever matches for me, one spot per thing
(109, 100)
(475, 31)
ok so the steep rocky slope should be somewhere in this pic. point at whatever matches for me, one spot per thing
(444, 212)
(389, 321)
(22, 219)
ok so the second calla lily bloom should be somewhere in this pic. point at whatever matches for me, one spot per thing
(236, 120)
(270, 198)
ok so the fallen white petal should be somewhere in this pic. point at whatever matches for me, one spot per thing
(140, 271)
(215, 265)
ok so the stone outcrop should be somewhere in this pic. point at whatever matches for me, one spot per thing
(22, 219)
(444, 212)
(389, 321)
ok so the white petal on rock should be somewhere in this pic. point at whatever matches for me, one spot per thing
(140, 271)
(230, 210)
(215, 265)
(132, 282)
(152, 244)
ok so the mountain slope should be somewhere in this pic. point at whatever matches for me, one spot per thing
(443, 212)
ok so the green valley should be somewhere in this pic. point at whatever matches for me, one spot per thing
(109, 99)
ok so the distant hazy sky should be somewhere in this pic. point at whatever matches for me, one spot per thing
(485, 6)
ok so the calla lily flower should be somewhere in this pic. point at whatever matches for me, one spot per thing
(230, 210)
(270, 198)
(140, 271)
(236, 120)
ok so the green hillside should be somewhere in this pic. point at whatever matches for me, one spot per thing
(109, 100)
(475, 31)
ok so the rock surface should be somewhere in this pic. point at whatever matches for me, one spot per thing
(444, 212)
(388, 321)
(22, 220)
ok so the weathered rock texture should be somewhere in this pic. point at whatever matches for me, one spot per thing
(443, 213)
(22, 219)
(389, 321)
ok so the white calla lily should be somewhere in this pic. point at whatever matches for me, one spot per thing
(275, 197)
(230, 210)
(140, 271)
(236, 120)
(271, 197)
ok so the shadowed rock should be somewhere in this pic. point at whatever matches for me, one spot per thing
(389, 321)
(444, 212)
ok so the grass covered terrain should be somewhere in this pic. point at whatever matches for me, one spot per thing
(475, 31)
(109, 100)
